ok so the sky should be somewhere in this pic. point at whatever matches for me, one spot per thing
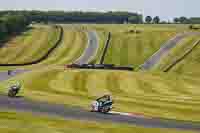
(166, 9)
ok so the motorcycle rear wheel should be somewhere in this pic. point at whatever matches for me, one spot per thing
(105, 109)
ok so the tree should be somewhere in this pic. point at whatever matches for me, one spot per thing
(183, 20)
(10, 24)
(156, 20)
(176, 20)
(135, 19)
(148, 19)
(194, 20)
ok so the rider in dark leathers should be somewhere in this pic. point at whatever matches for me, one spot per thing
(14, 89)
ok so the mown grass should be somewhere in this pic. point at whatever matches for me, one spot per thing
(153, 94)
(190, 65)
(134, 49)
(130, 48)
(71, 47)
(30, 46)
(12, 122)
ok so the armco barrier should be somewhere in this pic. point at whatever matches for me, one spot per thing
(100, 66)
(106, 48)
(43, 57)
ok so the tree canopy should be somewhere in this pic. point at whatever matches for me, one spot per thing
(156, 20)
(10, 24)
(80, 17)
(148, 19)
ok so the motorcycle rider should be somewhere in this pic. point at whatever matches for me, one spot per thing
(14, 89)
(105, 100)
(9, 72)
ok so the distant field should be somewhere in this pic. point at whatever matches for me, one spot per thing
(189, 65)
(130, 48)
(12, 122)
(152, 94)
(126, 48)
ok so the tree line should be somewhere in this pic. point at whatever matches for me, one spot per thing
(185, 20)
(11, 24)
(16, 21)
(80, 17)
(176, 20)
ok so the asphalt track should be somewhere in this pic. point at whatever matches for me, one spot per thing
(91, 49)
(69, 112)
(21, 104)
(165, 48)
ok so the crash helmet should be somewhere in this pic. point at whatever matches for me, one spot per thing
(108, 96)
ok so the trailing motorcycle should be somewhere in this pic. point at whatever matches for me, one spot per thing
(14, 90)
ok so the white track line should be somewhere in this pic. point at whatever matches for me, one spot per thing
(129, 114)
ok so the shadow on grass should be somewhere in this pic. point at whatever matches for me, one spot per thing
(9, 37)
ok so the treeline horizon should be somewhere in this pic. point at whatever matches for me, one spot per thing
(117, 17)
(12, 24)
(79, 17)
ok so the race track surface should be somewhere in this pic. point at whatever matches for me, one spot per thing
(91, 49)
(20, 104)
(165, 48)
(5, 76)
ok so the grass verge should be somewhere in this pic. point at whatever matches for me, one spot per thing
(12, 122)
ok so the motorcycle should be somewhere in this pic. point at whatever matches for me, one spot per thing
(14, 90)
(102, 104)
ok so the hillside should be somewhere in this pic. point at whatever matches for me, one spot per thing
(130, 48)
(29, 46)
(172, 95)
(152, 94)
(186, 66)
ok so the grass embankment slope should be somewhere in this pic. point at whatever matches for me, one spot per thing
(72, 46)
(189, 65)
(153, 94)
(12, 122)
(35, 43)
(130, 48)
(29, 46)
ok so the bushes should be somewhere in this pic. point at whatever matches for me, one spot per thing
(10, 24)
(79, 16)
